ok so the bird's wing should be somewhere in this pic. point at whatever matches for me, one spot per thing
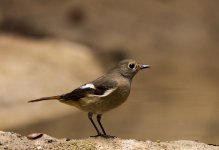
(98, 88)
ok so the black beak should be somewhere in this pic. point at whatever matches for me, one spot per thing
(144, 66)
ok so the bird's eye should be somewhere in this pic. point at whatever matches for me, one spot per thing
(131, 66)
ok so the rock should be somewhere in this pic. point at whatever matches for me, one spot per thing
(34, 136)
(31, 69)
(10, 140)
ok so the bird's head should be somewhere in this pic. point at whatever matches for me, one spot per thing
(129, 68)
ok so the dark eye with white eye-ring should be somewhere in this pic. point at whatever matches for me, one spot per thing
(131, 66)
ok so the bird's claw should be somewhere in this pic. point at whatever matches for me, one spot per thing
(103, 135)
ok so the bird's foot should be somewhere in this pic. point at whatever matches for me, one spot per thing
(104, 136)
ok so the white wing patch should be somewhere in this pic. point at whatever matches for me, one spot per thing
(86, 86)
(106, 93)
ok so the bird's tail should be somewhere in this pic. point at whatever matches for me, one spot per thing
(45, 98)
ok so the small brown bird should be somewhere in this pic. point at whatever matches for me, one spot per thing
(103, 94)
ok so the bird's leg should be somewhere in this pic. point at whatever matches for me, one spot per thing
(90, 114)
(104, 133)
(98, 120)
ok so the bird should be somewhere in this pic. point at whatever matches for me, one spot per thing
(103, 94)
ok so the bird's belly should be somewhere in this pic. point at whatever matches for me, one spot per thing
(100, 105)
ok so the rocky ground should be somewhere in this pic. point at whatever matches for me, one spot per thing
(12, 141)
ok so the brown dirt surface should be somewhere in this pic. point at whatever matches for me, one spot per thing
(12, 141)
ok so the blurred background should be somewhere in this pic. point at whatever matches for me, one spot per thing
(51, 47)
